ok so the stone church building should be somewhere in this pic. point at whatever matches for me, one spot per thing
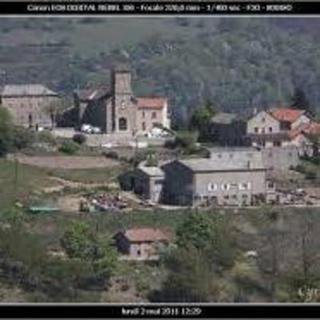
(118, 110)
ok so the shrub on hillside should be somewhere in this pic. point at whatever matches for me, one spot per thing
(186, 139)
(111, 155)
(311, 175)
(69, 147)
(6, 131)
(79, 138)
(138, 157)
(22, 138)
(47, 137)
(299, 168)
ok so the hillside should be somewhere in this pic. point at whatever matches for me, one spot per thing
(237, 63)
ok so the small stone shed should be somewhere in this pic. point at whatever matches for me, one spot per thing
(141, 243)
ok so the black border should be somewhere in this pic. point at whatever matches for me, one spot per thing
(167, 8)
(177, 311)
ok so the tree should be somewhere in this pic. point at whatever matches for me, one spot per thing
(6, 131)
(22, 138)
(195, 230)
(211, 235)
(299, 100)
(200, 120)
(80, 241)
(186, 140)
(190, 279)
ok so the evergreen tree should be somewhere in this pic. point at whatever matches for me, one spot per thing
(300, 100)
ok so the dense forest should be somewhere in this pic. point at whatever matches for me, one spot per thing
(237, 64)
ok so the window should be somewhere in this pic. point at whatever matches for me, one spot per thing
(256, 129)
(143, 114)
(143, 126)
(270, 185)
(245, 186)
(123, 124)
(263, 130)
(138, 252)
(270, 129)
(212, 187)
(277, 143)
(234, 196)
(225, 186)
(154, 115)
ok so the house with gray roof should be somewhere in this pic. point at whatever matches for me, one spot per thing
(31, 105)
(228, 129)
(226, 178)
(148, 182)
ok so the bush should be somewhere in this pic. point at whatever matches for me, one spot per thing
(22, 138)
(69, 147)
(299, 168)
(138, 157)
(6, 132)
(47, 137)
(111, 155)
(79, 138)
(311, 175)
(186, 139)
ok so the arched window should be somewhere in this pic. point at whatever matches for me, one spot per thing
(123, 124)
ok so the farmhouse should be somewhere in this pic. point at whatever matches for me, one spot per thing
(31, 105)
(227, 178)
(141, 243)
(117, 110)
(279, 128)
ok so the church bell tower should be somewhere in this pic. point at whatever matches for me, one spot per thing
(124, 112)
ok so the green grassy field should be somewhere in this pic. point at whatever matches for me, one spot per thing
(19, 183)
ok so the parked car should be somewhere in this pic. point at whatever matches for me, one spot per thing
(89, 129)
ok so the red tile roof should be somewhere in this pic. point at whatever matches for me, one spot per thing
(145, 235)
(306, 128)
(287, 114)
(151, 102)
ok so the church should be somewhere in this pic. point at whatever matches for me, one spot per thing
(117, 110)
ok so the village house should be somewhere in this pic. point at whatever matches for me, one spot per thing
(228, 129)
(31, 105)
(226, 178)
(148, 182)
(141, 243)
(279, 128)
(117, 110)
(280, 158)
